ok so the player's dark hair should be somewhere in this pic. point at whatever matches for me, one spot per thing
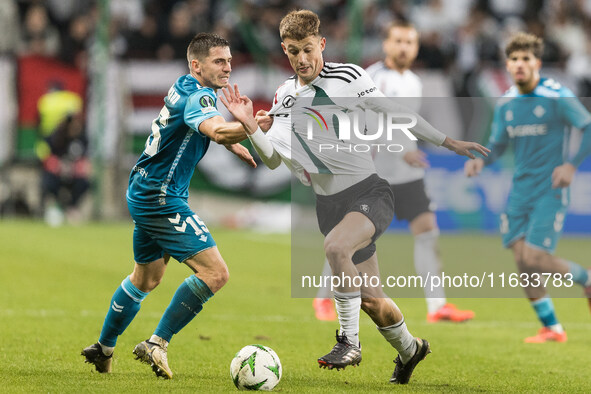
(201, 44)
(399, 23)
(298, 25)
(525, 42)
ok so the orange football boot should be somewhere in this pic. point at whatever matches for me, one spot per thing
(546, 335)
(449, 312)
(324, 309)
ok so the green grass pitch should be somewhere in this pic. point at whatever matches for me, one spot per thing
(55, 287)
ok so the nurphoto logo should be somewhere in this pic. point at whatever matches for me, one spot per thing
(351, 128)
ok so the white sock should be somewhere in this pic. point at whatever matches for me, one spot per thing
(435, 304)
(427, 263)
(324, 291)
(159, 341)
(400, 339)
(348, 306)
(107, 350)
(557, 328)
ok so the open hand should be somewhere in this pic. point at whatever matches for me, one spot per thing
(239, 106)
(242, 153)
(464, 148)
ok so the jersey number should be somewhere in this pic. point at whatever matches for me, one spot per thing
(153, 142)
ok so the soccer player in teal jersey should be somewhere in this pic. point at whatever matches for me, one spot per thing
(535, 116)
(165, 226)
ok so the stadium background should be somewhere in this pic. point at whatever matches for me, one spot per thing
(121, 57)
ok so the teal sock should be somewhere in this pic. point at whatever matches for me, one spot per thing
(545, 310)
(185, 305)
(125, 304)
(580, 274)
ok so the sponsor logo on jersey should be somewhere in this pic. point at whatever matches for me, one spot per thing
(527, 130)
(366, 91)
(509, 116)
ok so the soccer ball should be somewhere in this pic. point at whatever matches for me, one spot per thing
(256, 367)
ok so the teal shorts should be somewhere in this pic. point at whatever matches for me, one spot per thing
(539, 222)
(173, 229)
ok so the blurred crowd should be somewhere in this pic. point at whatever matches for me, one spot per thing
(458, 36)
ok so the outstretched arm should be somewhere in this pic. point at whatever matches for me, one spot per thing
(222, 132)
(423, 129)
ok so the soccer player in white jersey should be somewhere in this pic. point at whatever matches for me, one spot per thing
(405, 173)
(353, 205)
(535, 116)
(165, 225)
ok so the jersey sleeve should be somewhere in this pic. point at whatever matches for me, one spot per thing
(499, 138)
(572, 110)
(498, 130)
(575, 114)
(362, 87)
(200, 106)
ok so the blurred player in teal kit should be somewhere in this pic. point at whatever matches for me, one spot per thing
(165, 226)
(535, 116)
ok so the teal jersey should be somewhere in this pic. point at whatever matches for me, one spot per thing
(175, 145)
(537, 125)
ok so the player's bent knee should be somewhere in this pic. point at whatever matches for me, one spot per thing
(532, 258)
(335, 251)
(218, 277)
(154, 282)
(223, 275)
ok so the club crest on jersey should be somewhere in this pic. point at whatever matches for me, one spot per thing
(364, 208)
(207, 104)
(539, 111)
(288, 101)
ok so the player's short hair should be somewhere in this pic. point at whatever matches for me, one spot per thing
(399, 23)
(298, 25)
(525, 42)
(201, 44)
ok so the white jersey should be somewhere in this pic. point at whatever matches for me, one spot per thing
(393, 168)
(302, 154)
(339, 88)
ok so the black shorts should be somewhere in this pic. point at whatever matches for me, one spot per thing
(411, 200)
(371, 197)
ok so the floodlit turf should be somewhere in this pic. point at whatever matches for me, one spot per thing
(55, 287)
